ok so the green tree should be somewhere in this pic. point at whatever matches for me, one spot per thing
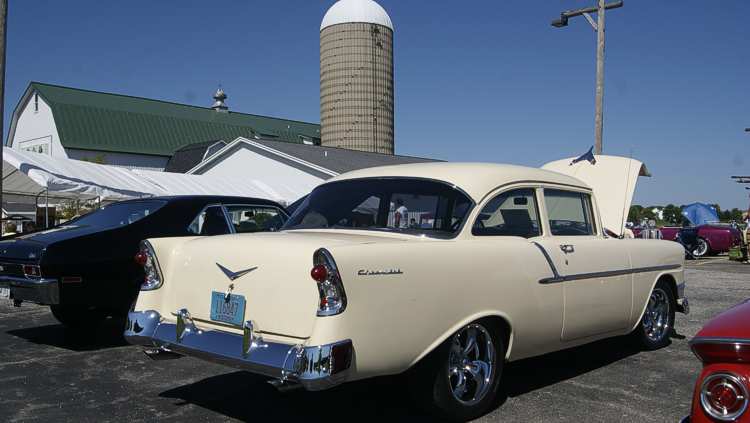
(672, 214)
(635, 214)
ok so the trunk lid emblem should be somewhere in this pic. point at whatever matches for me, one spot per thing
(234, 275)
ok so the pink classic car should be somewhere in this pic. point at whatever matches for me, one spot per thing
(713, 238)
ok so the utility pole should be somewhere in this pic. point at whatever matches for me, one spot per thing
(599, 112)
(3, 32)
(599, 28)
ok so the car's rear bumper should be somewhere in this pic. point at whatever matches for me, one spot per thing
(313, 367)
(42, 291)
(683, 306)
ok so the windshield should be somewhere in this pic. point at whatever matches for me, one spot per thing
(119, 214)
(394, 204)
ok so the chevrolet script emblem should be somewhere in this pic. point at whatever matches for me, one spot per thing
(234, 275)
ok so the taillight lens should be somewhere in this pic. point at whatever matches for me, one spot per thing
(723, 396)
(152, 275)
(32, 271)
(330, 289)
(721, 351)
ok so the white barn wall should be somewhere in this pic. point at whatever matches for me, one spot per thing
(35, 128)
(244, 163)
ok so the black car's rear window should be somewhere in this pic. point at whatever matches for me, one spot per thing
(119, 214)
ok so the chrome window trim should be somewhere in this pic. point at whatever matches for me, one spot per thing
(536, 207)
(591, 212)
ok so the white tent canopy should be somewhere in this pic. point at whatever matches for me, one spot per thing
(34, 173)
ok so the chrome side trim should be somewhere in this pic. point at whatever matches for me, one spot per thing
(719, 340)
(313, 367)
(608, 273)
(42, 291)
(549, 261)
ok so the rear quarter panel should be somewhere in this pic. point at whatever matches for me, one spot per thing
(395, 320)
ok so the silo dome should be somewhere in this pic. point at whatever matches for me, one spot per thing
(356, 11)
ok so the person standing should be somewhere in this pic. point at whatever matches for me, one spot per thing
(401, 215)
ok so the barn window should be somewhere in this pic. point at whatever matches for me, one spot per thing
(36, 102)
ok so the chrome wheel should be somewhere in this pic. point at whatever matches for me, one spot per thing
(701, 249)
(471, 364)
(656, 318)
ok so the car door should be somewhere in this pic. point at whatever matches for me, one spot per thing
(593, 270)
(515, 213)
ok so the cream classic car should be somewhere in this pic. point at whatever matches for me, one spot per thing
(447, 270)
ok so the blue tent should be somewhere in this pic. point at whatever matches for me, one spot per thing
(700, 214)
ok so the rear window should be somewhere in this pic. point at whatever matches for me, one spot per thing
(390, 204)
(119, 214)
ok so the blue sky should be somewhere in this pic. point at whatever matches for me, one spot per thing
(480, 80)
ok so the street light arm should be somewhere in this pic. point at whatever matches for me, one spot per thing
(564, 16)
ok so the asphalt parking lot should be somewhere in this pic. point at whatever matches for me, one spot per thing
(50, 374)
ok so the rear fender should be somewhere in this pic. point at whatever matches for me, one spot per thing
(494, 314)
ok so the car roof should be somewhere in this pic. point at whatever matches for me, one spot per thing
(476, 179)
(207, 199)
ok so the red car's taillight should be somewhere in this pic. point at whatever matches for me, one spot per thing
(724, 396)
(721, 351)
(152, 278)
(330, 289)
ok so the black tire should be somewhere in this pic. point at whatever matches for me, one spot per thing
(702, 248)
(431, 381)
(656, 324)
(78, 316)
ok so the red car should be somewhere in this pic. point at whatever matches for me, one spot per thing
(721, 392)
(712, 238)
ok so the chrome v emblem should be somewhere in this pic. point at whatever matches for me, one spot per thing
(234, 275)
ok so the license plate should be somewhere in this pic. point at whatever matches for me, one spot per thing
(4, 293)
(231, 310)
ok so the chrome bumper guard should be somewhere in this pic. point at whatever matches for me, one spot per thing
(41, 291)
(313, 367)
(683, 306)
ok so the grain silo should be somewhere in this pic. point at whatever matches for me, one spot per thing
(356, 77)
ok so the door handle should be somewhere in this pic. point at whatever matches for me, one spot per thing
(567, 248)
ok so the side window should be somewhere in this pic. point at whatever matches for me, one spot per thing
(255, 218)
(210, 221)
(570, 213)
(512, 213)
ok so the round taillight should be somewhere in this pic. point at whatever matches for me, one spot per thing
(141, 258)
(319, 273)
(724, 396)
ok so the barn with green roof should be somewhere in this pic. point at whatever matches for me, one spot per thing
(133, 132)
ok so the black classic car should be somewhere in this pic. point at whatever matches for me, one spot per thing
(87, 270)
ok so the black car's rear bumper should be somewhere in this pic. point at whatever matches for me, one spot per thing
(42, 291)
